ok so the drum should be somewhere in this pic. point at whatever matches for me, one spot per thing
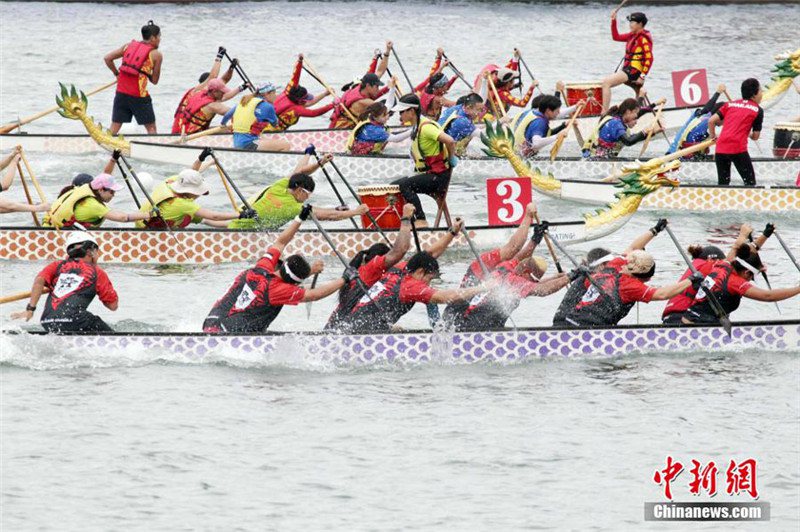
(786, 143)
(385, 205)
(590, 91)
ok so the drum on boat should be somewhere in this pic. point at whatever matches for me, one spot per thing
(591, 91)
(786, 143)
(385, 205)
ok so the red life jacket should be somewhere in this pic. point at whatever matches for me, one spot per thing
(181, 106)
(701, 310)
(191, 117)
(382, 308)
(430, 105)
(597, 309)
(339, 117)
(74, 288)
(158, 223)
(634, 42)
(130, 71)
(245, 307)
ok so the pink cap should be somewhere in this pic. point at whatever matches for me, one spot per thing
(105, 181)
(217, 84)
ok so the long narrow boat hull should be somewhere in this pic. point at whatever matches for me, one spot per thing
(421, 347)
(388, 167)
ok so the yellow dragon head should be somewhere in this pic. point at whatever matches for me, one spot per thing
(73, 104)
(785, 70)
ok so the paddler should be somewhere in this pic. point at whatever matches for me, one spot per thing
(372, 264)
(86, 204)
(259, 294)
(613, 131)
(356, 100)
(73, 283)
(180, 113)
(505, 80)
(432, 90)
(407, 283)
(371, 135)
(695, 130)
(141, 62)
(434, 155)
(9, 164)
(277, 204)
(622, 281)
(704, 258)
(532, 131)
(638, 56)
(743, 118)
(176, 200)
(732, 281)
(202, 107)
(295, 102)
(458, 121)
(254, 114)
(593, 263)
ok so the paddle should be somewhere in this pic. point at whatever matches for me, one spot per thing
(333, 186)
(431, 308)
(525, 66)
(656, 123)
(313, 286)
(457, 72)
(397, 90)
(497, 102)
(663, 133)
(239, 70)
(358, 199)
(35, 181)
(402, 68)
(200, 134)
(764, 275)
(786, 249)
(227, 188)
(584, 273)
(128, 183)
(313, 73)
(722, 316)
(229, 180)
(560, 141)
(27, 194)
(663, 159)
(549, 244)
(7, 128)
(19, 296)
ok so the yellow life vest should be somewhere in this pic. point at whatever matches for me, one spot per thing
(351, 139)
(520, 124)
(245, 115)
(423, 162)
(591, 142)
(63, 209)
(162, 192)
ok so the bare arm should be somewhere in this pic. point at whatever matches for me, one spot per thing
(304, 166)
(323, 291)
(519, 237)
(333, 215)
(641, 241)
(744, 231)
(112, 306)
(109, 167)
(776, 294)
(36, 292)
(457, 294)
(287, 235)
(156, 75)
(113, 55)
(214, 72)
(10, 164)
(550, 286)
(712, 126)
(208, 214)
(403, 240)
(439, 247)
(667, 292)
(217, 108)
(384, 64)
(448, 142)
(119, 216)
(15, 206)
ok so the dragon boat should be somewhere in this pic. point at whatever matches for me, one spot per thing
(425, 347)
(785, 71)
(637, 177)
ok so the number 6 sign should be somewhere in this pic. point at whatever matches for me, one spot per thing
(690, 87)
(507, 198)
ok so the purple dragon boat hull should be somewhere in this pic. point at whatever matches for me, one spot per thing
(414, 347)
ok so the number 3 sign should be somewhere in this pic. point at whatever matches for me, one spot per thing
(507, 198)
(690, 87)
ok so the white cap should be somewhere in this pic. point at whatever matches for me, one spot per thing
(78, 237)
(190, 182)
(146, 179)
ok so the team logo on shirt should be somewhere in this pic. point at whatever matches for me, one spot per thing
(246, 297)
(66, 284)
(373, 292)
(591, 294)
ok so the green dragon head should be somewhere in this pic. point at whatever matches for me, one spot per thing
(73, 104)
(499, 141)
(643, 178)
(785, 70)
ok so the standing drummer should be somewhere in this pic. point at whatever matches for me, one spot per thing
(638, 56)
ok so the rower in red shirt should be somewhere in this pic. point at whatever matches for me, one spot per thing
(73, 283)
(295, 102)
(638, 56)
(433, 89)
(259, 294)
(743, 118)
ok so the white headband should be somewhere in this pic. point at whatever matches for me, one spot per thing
(291, 273)
(602, 260)
(748, 266)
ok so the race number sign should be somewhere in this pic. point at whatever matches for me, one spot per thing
(690, 87)
(507, 198)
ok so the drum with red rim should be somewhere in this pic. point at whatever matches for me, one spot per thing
(590, 91)
(786, 143)
(385, 205)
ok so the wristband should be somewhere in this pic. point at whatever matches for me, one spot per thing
(406, 219)
(30, 308)
(453, 233)
(298, 220)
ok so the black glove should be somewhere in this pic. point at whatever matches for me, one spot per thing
(660, 225)
(305, 212)
(768, 230)
(350, 274)
(539, 231)
(204, 154)
(697, 280)
(220, 52)
(580, 271)
(311, 150)
(248, 213)
(115, 154)
(234, 63)
(243, 87)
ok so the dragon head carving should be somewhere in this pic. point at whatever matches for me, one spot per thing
(643, 178)
(785, 70)
(73, 104)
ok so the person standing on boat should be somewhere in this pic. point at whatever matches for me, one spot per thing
(371, 135)
(282, 201)
(202, 87)
(695, 130)
(9, 164)
(458, 121)
(434, 155)
(622, 284)
(743, 119)
(252, 116)
(729, 282)
(638, 56)
(141, 62)
(613, 130)
(432, 90)
(372, 264)
(404, 285)
(73, 283)
(259, 294)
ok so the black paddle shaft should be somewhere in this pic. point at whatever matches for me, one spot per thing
(333, 186)
(787, 250)
(130, 187)
(457, 72)
(230, 182)
(575, 264)
(402, 68)
(239, 70)
(358, 199)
